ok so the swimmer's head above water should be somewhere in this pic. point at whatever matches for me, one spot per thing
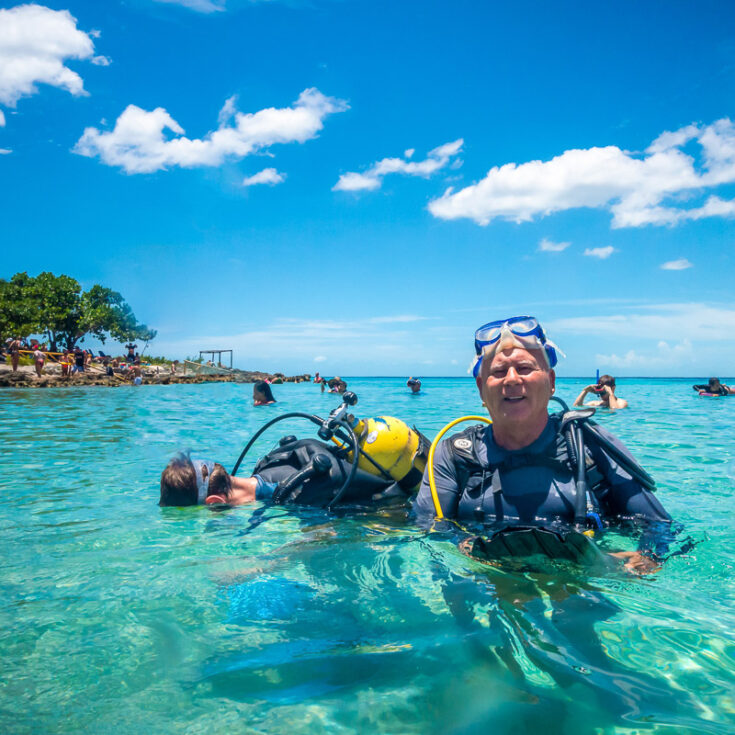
(187, 481)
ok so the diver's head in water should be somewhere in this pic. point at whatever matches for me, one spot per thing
(514, 373)
(262, 394)
(193, 482)
(605, 381)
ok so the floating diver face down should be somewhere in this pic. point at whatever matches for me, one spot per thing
(188, 481)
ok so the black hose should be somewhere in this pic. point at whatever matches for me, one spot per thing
(580, 497)
(292, 415)
(319, 422)
(353, 468)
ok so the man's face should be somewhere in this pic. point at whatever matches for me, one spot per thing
(516, 386)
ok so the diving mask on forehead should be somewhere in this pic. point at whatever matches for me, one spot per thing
(518, 331)
(202, 481)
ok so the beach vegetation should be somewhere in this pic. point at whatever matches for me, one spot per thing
(57, 308)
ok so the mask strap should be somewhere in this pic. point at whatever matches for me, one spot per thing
(202, 482)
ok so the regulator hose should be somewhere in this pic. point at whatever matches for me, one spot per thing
(319, 422)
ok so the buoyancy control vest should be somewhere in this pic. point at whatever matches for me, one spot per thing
(292, 456)
(476, 477)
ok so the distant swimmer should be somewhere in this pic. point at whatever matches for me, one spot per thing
(318, 378)
(262, 394)
(714, 388)
(336, 385)
(605, 389)
(414, 384)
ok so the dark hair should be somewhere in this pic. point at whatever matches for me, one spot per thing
(179, 482)
(714, 385)
(262, 387)
(606, 380)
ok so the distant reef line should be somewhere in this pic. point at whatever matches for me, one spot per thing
(27, 379)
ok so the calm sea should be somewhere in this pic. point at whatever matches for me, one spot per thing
(118, 616)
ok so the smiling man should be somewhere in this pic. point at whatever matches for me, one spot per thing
(518, 471)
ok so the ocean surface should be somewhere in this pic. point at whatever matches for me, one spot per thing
(117, 616)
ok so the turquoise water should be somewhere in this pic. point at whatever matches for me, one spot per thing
(118, 616)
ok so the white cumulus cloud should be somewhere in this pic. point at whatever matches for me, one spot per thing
(35, 44)
(267, 176)
(547, 246)
(679, 321)
(5, 151)
(140, 143)
(2, 119)
(201, 6)
(372, 178)
(320, 358)
(600, 253)
(676, 265)
(638, 189)
(663, 355)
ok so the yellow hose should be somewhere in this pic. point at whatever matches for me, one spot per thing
(430, 460)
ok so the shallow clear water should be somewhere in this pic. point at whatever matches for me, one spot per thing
(116, 615)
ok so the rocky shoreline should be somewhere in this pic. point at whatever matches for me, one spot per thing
(25, 377)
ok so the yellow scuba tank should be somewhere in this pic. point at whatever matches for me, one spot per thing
(399, 450)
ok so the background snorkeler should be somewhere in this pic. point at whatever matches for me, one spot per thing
(605, 389)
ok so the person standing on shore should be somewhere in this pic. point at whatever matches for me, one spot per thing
(38, 359)
(78, 360)
(14, 352)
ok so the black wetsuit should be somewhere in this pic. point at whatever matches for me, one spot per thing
(533, 485)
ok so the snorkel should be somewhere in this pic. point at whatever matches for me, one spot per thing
(202, 481)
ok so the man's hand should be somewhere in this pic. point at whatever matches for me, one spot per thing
(637, 563)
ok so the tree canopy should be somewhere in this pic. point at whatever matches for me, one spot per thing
(58, 308)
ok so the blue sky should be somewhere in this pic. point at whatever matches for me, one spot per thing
(354, 187)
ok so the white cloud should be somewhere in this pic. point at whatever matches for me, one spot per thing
(547, 246)
(201, 6)
(600, 253)
(5, 151)
(267, 176)
(372, 178)
(35, 43)
(676, 265)
(138, 143)
(664, 355)
(638, 189)
(2, 119)
(390, 336)
(680, 321)
(320, 358)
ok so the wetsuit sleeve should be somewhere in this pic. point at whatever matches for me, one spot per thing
(447, 489)
(626, 496)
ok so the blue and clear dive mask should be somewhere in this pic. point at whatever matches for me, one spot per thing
(518, 331)
(202, 481)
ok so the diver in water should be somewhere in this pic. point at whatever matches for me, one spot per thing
(521, 471)
(388, 469)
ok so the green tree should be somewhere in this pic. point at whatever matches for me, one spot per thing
(56, 307)
(105, 312)
(18, 310)
(59, 305)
